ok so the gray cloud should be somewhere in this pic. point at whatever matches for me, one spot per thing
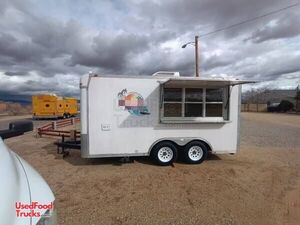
(204, 16)
(110, 53)
(278, 67)
(16, 73)
(45, 48)
(215, 61)
(20, 5)
(283, 28)
(18, 51)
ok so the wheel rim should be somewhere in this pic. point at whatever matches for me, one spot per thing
(195, 153)
(165, 154)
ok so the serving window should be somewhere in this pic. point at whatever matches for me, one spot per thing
(193, 103)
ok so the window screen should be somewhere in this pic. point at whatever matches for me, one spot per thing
(172, 102)
(193, 102)
(193, 95)
(172, 95)
(172, 109)
(214, 95)
(214, 102)
(193, 110)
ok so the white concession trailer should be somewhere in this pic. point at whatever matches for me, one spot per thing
(162, 116)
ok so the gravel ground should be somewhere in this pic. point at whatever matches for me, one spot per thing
(259, 185)
(270, 130)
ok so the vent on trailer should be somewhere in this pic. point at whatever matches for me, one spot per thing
(166, 74)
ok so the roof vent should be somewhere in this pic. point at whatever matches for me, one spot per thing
(166, 74)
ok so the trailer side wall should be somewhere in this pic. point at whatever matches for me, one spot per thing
(109, 129)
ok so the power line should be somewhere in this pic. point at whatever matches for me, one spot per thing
(250, 20)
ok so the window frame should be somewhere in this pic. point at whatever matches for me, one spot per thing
(201, 119)
(215, 103)
(171, 102)
(190, 102)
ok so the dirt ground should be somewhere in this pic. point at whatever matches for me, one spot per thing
(259, 185)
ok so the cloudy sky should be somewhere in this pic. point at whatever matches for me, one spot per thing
(45, 46)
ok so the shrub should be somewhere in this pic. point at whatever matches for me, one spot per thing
(285, 106)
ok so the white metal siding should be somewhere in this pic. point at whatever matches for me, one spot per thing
(130, 134)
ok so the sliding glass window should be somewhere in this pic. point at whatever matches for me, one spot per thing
(172, 102)
(214, 102)
(194, 102)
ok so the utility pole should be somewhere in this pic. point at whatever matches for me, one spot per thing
(297, 98)
(196, 56)
(196, 44)
(257, 93)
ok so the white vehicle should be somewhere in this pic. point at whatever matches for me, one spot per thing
(26, 198)
(162, 116)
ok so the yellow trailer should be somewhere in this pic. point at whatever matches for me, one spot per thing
(52, 106)
(70, 106)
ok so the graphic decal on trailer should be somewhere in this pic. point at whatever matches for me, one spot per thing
(133, 102)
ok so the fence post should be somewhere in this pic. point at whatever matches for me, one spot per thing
(73, 121)
(39, 132)
(73, 135)
(54, 125)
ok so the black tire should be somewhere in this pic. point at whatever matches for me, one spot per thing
(198, 155)
(160, 156)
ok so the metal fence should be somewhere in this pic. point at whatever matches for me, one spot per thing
(254, 107)
(52, 128)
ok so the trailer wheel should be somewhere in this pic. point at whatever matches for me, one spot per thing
(164, 153)
(195, 152)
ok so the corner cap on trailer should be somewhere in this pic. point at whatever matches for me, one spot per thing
(195, 81)
(84, 80)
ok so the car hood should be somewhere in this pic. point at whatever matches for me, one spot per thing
(20, 183)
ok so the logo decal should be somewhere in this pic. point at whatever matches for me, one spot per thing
(133, 102)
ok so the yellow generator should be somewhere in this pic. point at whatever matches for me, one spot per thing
(52, 106)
